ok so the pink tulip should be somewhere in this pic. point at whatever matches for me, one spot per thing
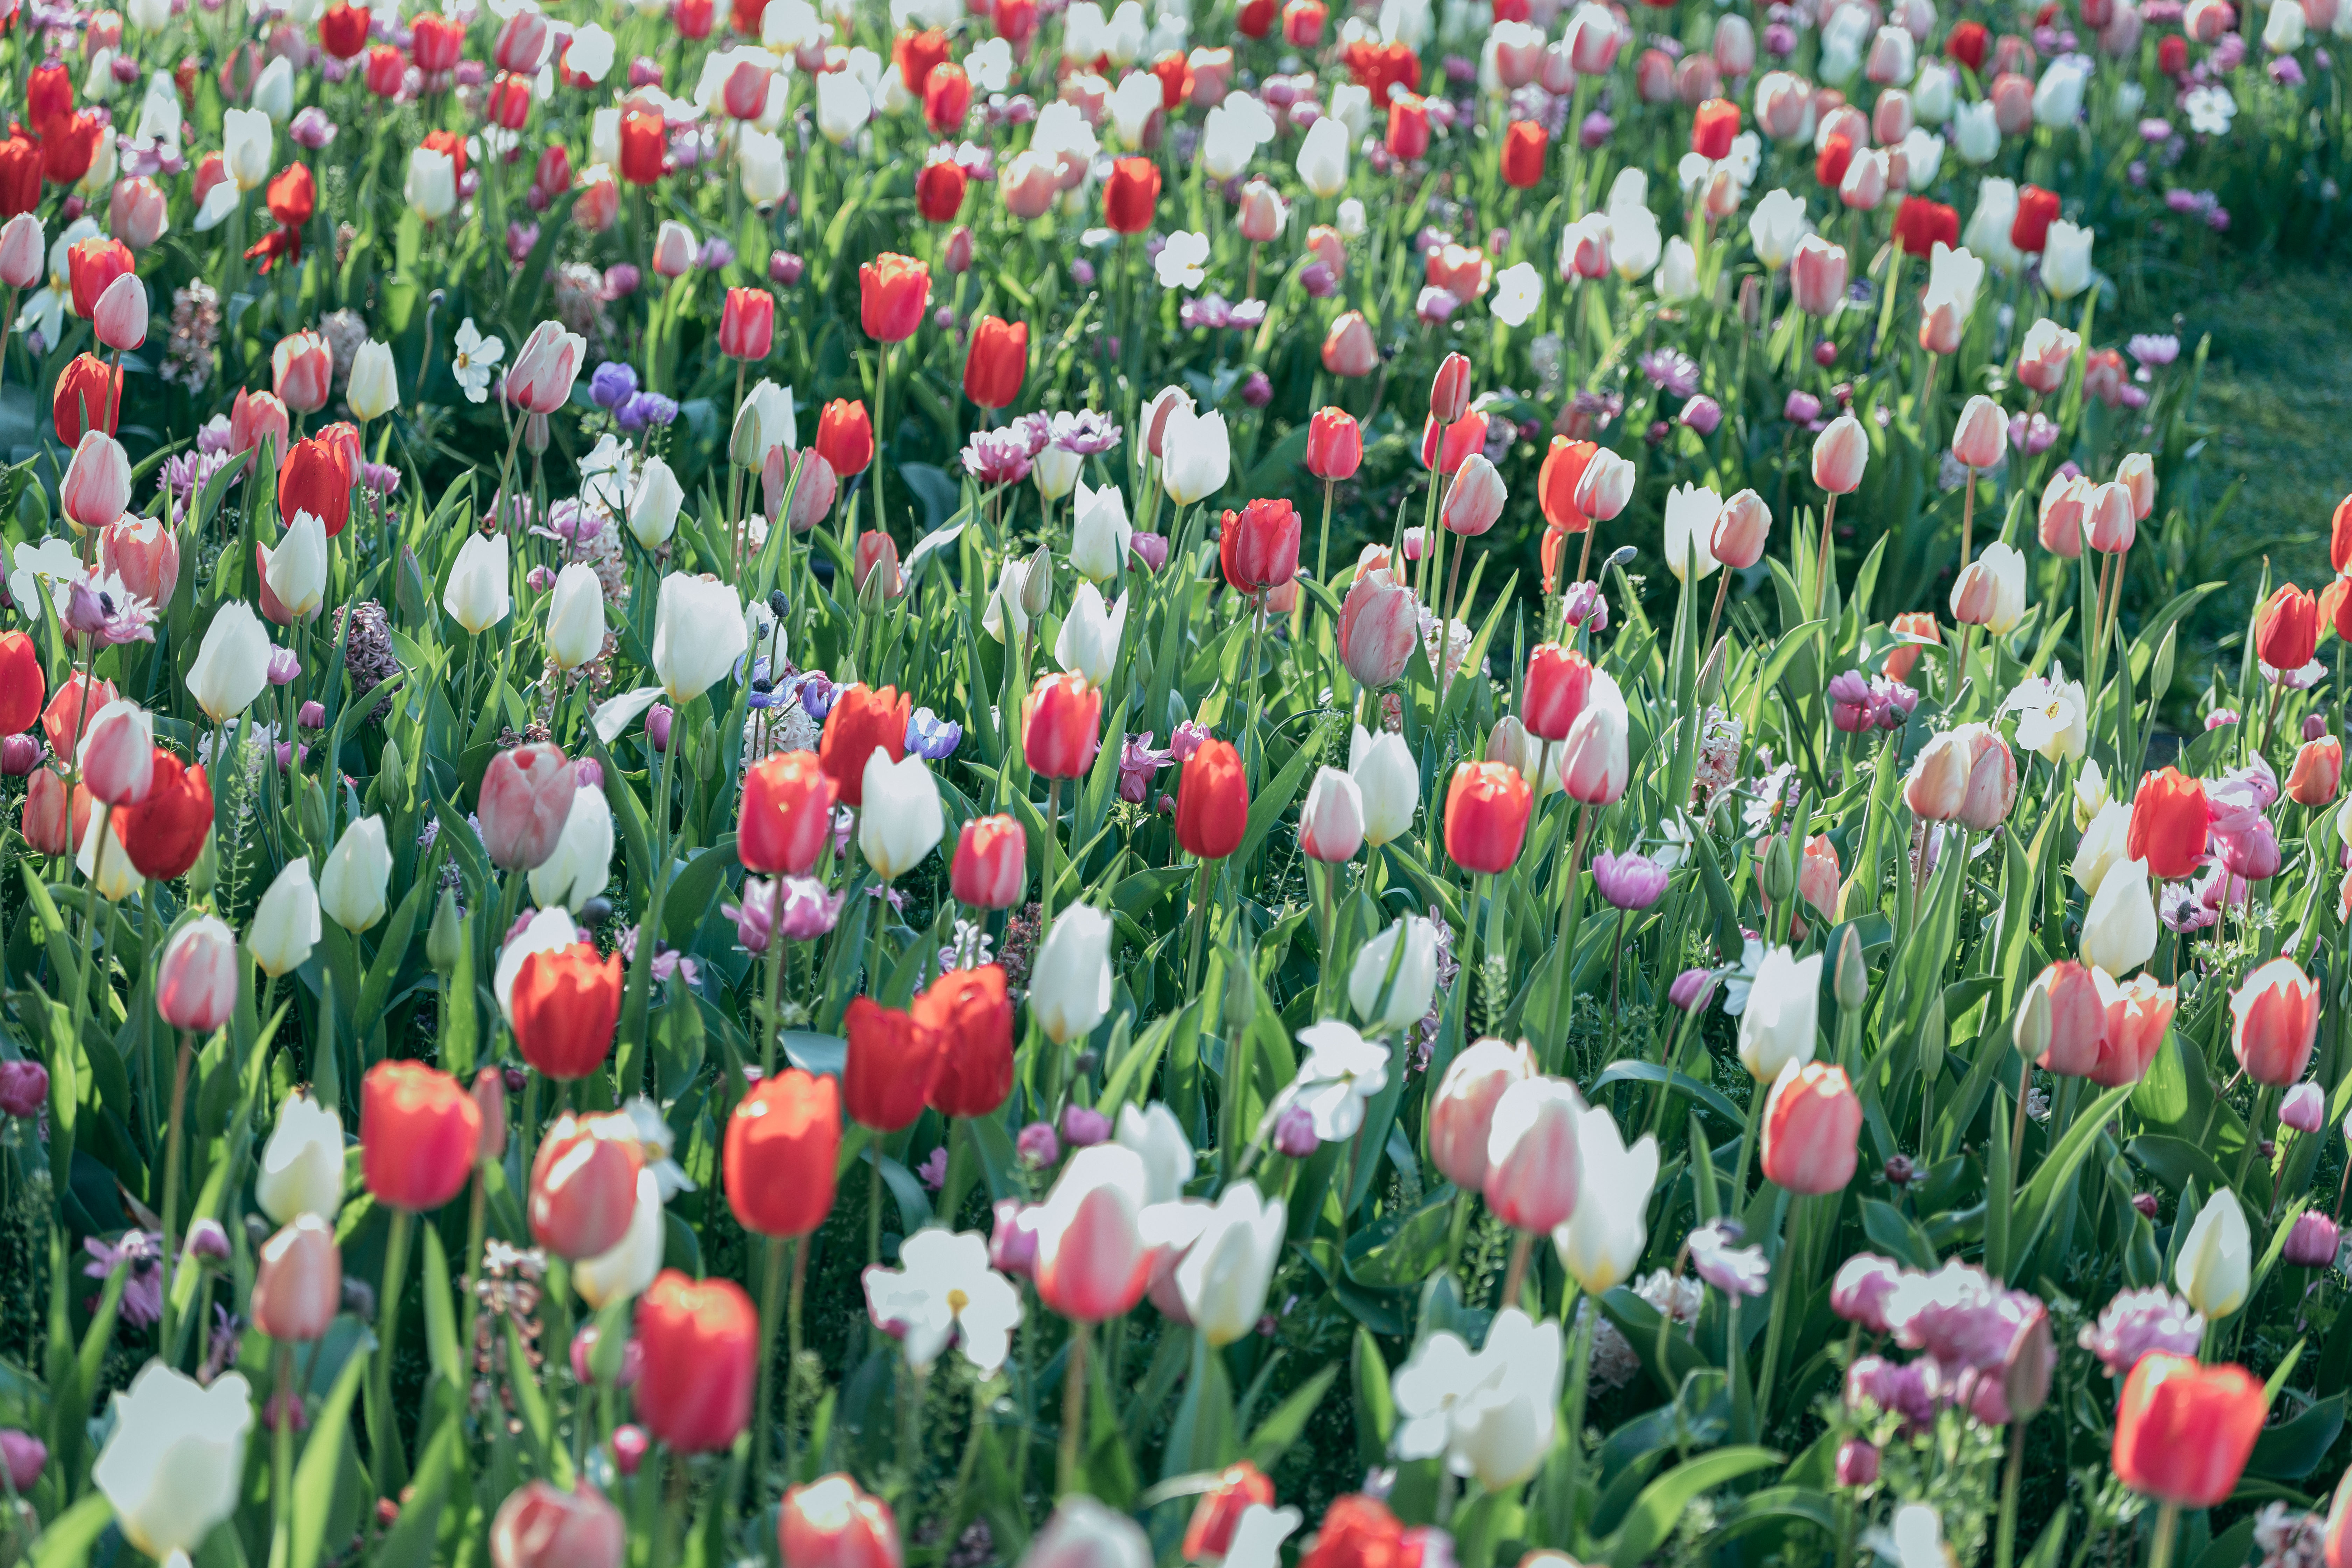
(1817, 274)
(526, 797)
(1841, 452)
(302, 370)
(1532, 1168)
(1982, 434)
(1475, 501)
(2276, 1016)
(118, 753)
(1092, 1260)
(195, 980)
(23, 256)
(1462, 1113)
(96, 488)
(2112, 523)
(1379, 625)
(298, 1282)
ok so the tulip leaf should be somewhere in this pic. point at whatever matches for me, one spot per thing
(1678, 1083)
(1375, 1406)
(2057, 1171)
(1399, 1251)
(1655, 1513)
(410, 1542)
(70, 1538)
(390, 953)
(2292, 1449)
(1286, 1421)
(694, 891)
(1886, 1228)
(320, 1475)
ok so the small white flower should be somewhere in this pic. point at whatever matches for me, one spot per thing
(1519, 291)
(2209, 110)
(1342, 1070)
(1181, 262)
(947, 1290)
(472, 363)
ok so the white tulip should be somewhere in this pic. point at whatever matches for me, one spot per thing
(273, 90)
(1089, 639)
(1223, 1277)
(286, 922)
(2101, 847)
(2217, 1258)
(353, 886)
(1780, 1022)
(636, 1259)
(1323, 157)
(297, 570)
(653, 508)
(232, 664)
(582, 863)
(1602, 1242)
(2119, 929)
(1390, 779)
(901, 821)
(1099, 529)
(1416, 976)
(1069, 981)
(478, 595)
(698, 634)
(1691, 513)
(2066, 252)
(173, 1465)
(430, 188)
(1160, 1141)
(302, 1167)
(575, 617)
(1776, 226)
(1199, 455)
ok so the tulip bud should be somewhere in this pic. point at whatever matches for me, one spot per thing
(297, 1284)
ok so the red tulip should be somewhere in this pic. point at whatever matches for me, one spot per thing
(778, 1163)
(1132, 195)
(996, 363)
(1212, 802)
(420, 1132)
(1713, 127)
(991, 866)
(438, 42)
(2037, 209)
(861, 721)
(1563, 470)
(2275, 1018)
(1061, 727)
(565, 1004)
(2139, 1011)
(2184, 1432)
(1558, 681)
(788, 802)
(21, 683)
(2168, 824)
(91, 265)
(947, 98)
(1335, 445)
(1093, 1261)
(939, 190)
(387, 71)
(1358, 1532)
(1258, 545)
(583, 1185)
(888, 1075)
(1487, 808)
(88, 397)
(830, 1522)
(972, 1015)
(164, 834)
(316, 478)
(645, 146)
(1921, 225)
(701, 1344)
(876, 552)
(747, 324)
(844, 437)
(1209, 1532)
(1408, 132)
(1447, 452)
(1526, 145)
(893, 291)
(2287, 628)
(1810, 1123)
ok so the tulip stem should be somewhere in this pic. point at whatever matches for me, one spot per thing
(172, 1177)
(2005, 1538)
(1714, 617)
(1969, 514)
(1791, 1251)
(792, 1343)
(775, 1019)
(1445, 630)
(1249, 682)
(383, 1424)
(772, 1292)
(1074, 1407)
(1738, 1193)
(2167, 1521)
(1045, 881)
(1199, 920)
(1570, 908)
(1822, 569)
(1515, 1275)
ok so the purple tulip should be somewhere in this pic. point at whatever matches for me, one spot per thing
(1629, 881)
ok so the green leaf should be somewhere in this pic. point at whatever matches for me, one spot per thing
(321, 1467)
(694, 891)
(1375, 1406)
(2292, 1449)
(71, 1537)
(410, 1542)
(1286, 1421)
(1653, 1514)
(1680, 1083)
(2058, 1168)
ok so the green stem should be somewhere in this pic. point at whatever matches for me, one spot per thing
(172, 1178)
(384, 1423)
(1074, 1408)
(2167, 1521)
(771, 1291)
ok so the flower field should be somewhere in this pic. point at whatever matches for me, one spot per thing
(1428, 784)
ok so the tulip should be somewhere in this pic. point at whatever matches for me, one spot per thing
(164, 834)
(302, 1167)
(2184, 1432)
(563, 1004)
(478, 596)
(1594, 760)
(2287, 628)
(2066, 260)
(831, 1523)
(582, 865)
(1981, 437)
(1475, 501)
(286, 922)
(788, 802)
(1812, 1119)
(891, 1057)
(1780, 1024)
(779, 1160)
(353, 884)
(232, 663)
(2044, 356)
(117, 755)
(1532, 1169)
(2318, 769)
(1241, 1487)
(1737, 536)
(1092, 1260)
(1600, 1244)
(315, 479)
(901, 821)
(2137, 474)
(540, 381)
(2168, 824)
(1990, 591)
(1388, 777)
(631, 1266)
(1258, 545)
(525, 796)
(1462, 1112)
(1070, 981)
(97, 486)
(893, 293)
(654, 505)
(2275, 1018)
(420, 1133)
(1378, 628)
(1099, 532)
(2119, 929)
(1212, 802)
(2071, 1014)
(583, 1183)
(702, 1343)
(990, 867)
(173, 1465)
(1331, 821)
(767, 418)
(699, 635)
(1840, 454)
(1385, 1002)
(996, 361)
(2138, 1014)
(1487, 808)
(543, 1526)
(1197, 456)
(862, 722)
(298, 1282)
(196, 978)
(2214, 1263)
(89, 396)
(1817, 273)
(575, 617)
(1061, 727)
(969, 1010)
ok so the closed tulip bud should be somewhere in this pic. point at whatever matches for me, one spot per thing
(297, 1281)
(1990, 591)
(491, 1101)
(699, 635)
(1981, 437)
(2108, 525)
(1331, 821)
(526, 793)
(22, 252)
(702, 1343)
(118, 320)
(1391, 990)
(543, 1526)
(1462, 1112)
(575, 617)
(1595, 761)
(901, 821)
(1093, 1262)
(1211, 802)
(1532, 1169)
(1450, 389)
(1475, 501)
(1817, 271)
(831, 1523)
(420, 1134)
(2287, 628)
(478, 596)
(2065, 506)
(1841, 452)
(353, 884)
(2215, 1260)
(991, 866)
(1605, 487)
(2169, 825)
(1812, 1120)
(374, 388)
(563, 1004)
(1740, 530)
(1487, 808)
(2062, 1023)
(117, 755)
(2275, 1018)
(286, 922)
(1782, 1021)
(2119, 929)
(196, 978)
(584, 1183)
(2318, 769)
(1385, 771)
(97, 486)
(1378, 628)
(788, 802)
(1061, 727)
(778, 1163)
